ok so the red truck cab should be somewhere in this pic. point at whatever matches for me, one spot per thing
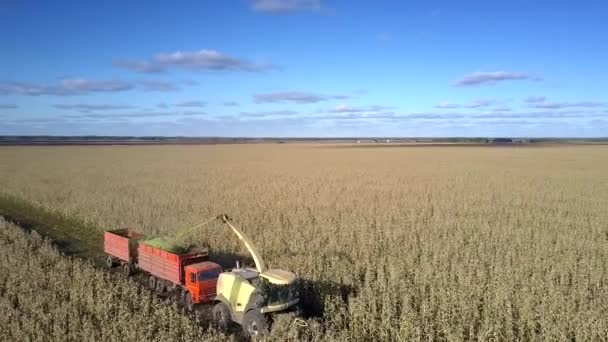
(201, 280)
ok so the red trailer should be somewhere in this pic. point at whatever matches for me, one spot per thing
(120, 246)
(190, 272)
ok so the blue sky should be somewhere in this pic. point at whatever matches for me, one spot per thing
(304, 68)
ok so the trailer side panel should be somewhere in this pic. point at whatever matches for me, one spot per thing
(160, 263)
(116, 245)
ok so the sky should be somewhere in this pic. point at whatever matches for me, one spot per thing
(304, 68)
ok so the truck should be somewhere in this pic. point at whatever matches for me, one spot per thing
(190, 272)
(246, 296)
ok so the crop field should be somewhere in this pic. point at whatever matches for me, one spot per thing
(47, 297)
(402, 243)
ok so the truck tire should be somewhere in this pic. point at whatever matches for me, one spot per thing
(152, 283)
(110, 262)
(221, 316)
(188, 302)
(127, 270)
(255, 323)
(182, 296)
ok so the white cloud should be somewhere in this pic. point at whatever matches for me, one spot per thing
(491, 77)
(342, 108)
(204, 59)
(295, 96)
(536, 99)
(69, 86)
(474, 104)
(158, 86)
(86, 107)
(192, 103)
(285, 6)
(561, 105)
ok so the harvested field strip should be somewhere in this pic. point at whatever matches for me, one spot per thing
(74, 236)
(44, 291)
(45, 296)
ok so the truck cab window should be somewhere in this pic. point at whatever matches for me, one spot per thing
(193, 277)
(209, 274)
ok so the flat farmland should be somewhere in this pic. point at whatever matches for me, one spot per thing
(417, 243)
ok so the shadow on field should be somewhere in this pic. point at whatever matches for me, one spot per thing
(228, 260)
(313, 293)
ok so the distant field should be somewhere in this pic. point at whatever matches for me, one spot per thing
(445, 144)
(373, 141)
(417, 243)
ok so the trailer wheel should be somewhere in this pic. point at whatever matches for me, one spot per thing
(255, 323)
(221, 316)
(160, 286)
(110, 262)
(188, 303)
(127, 270)
(152, 282)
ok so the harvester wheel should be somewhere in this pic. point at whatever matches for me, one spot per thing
(110, 262)
(221, 316)
(152, 282)
(299, 310)
(188, 303)
(255, 323)
(127, 270)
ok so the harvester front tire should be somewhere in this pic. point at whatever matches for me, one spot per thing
(221, 316)
(188, 303)
(299, 310)
(255, 323)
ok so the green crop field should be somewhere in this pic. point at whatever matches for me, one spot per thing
(400, 243)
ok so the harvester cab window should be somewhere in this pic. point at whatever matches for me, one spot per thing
(193, 277)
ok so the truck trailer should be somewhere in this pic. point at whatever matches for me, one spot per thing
(190, 272)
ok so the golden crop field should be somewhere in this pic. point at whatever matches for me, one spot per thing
(391, 243)
(47, 297)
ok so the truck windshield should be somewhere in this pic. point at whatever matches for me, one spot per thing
(209, 274)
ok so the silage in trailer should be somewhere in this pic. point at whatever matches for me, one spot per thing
(166, 245)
